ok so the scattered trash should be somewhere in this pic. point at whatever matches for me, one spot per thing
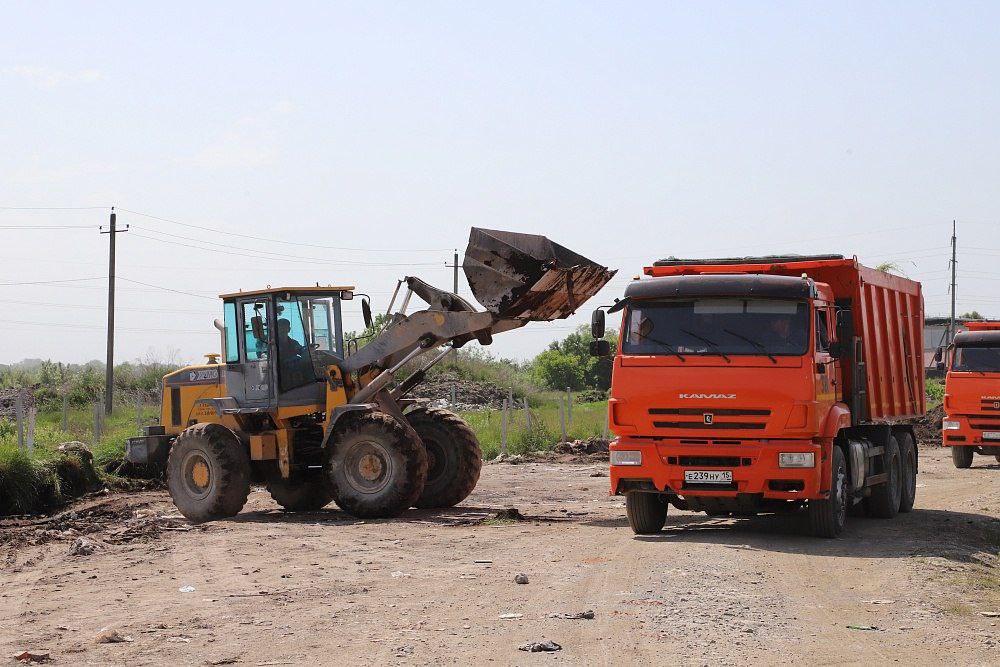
(538, 647)
(990, 614)
(483, 562)
(186, 589)
(509, 514)
(599, 473)
(400, 575)
(83, 546)
(878, 601)
(111, 636)
(403, 651)
(28, 657)
(521, 578)
(589, 614)
(510, 617)
(871, 628)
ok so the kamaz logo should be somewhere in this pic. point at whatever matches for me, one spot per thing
(708, 396)
(709, 417)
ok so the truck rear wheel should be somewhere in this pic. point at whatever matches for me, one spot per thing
(208, 473)
(961, 457)
(828, 517)
(376, 467)
(647, 512)
(884, 500)
(908, 465)
(300, 493)
(454, 458)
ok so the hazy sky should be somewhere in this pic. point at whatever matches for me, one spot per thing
(626, 131)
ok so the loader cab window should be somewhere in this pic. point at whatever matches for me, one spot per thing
(322, 324)
(232, 333)
(294, 361)
(256, 348)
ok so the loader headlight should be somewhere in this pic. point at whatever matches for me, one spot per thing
(796, 460)
(626, 458)
(947, 425)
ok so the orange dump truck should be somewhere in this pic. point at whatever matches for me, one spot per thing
(767, 384)
(972, 394)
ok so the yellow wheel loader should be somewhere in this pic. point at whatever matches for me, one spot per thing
(315, 418)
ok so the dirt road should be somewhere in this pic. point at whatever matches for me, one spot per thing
(323, 588)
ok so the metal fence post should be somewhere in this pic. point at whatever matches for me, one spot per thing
(65, 411)
(569, 405)
(138, 411)
(562, 417)
(503, 430)
(32, 413)
(19, 415)
(98, 410)
(527, 414)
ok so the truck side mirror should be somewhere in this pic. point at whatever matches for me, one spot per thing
(366, 313)
(836, 349)
(600, 348)
(597, 324)
(939, 355)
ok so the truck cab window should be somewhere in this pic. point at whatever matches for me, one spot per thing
(822, 331)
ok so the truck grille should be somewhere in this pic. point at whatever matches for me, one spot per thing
(712, 461)
(991, 406)
(712, 423)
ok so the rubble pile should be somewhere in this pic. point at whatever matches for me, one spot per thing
(469, 394)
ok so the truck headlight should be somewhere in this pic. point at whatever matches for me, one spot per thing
(796, 460)
(621, 457)
(950, 425)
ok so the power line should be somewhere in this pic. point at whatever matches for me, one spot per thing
(101, 327)
(282, 241)
(51, 282)
(47, 226)
(54, 208)
(167, 289)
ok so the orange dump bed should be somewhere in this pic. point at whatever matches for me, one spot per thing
(887, 315)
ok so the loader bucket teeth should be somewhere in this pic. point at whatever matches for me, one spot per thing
(528, 277)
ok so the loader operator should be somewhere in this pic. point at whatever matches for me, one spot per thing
(292, 356)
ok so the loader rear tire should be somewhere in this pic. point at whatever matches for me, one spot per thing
(884, 501)
(962, 457)
(908, 465)
(300, 494)
(647, 512)
(208, 473)
(454, 458)
(375, 466)
(828, 517)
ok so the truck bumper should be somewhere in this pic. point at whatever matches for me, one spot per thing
(972, 432)
(754, 467)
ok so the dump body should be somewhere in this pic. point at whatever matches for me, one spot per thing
(888, 317)
(972, 393)
(735, 378)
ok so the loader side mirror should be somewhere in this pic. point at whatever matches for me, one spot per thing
(600, 348)
(257, 326)
(366, 313)
(597, 324)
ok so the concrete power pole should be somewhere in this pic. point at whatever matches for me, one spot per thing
(109, 371)
(454, 265)
(954, 245)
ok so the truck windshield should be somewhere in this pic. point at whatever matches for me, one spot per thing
(973, 359)
(729, 326)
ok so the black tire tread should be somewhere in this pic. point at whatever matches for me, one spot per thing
(647, 512)
(908, 482)
(300, 495)
(381, 425)
(470, 457)
(962, 456)
(234, 464)
(823, 513)
(881, 503)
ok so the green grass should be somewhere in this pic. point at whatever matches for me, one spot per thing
(934, 388)
(589, 419)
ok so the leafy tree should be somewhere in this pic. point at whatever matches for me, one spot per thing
(567, 363)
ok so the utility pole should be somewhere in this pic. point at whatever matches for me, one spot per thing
(954, 244)
(454, 265)
(109, 370)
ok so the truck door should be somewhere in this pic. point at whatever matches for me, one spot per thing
(827, 381)
(258, 351)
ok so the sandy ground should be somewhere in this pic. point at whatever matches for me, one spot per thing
(323, 588)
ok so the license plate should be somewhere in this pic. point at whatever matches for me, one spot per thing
(991, 435)
(709, 476)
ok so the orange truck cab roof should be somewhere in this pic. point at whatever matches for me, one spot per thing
(982, 326)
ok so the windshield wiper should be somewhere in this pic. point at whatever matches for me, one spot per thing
(755, 343)
(668, 347)
(709, 343)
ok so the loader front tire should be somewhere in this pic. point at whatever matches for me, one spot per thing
(375, 466)
(208, 473)
(300, 494)
(454, 458)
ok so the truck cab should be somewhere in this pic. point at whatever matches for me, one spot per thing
(744, 387)
(972, 394)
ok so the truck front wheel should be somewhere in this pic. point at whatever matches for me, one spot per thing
(961, 457)
(828, 517)
(647, 512)
(885, 498)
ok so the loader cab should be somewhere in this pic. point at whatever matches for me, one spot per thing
(278, 341)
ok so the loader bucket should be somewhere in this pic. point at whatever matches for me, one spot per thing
(528, 277)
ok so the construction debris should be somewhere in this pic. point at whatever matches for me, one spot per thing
(538, 647)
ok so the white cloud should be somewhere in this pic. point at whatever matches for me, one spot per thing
(249, 144)
(47, 77)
